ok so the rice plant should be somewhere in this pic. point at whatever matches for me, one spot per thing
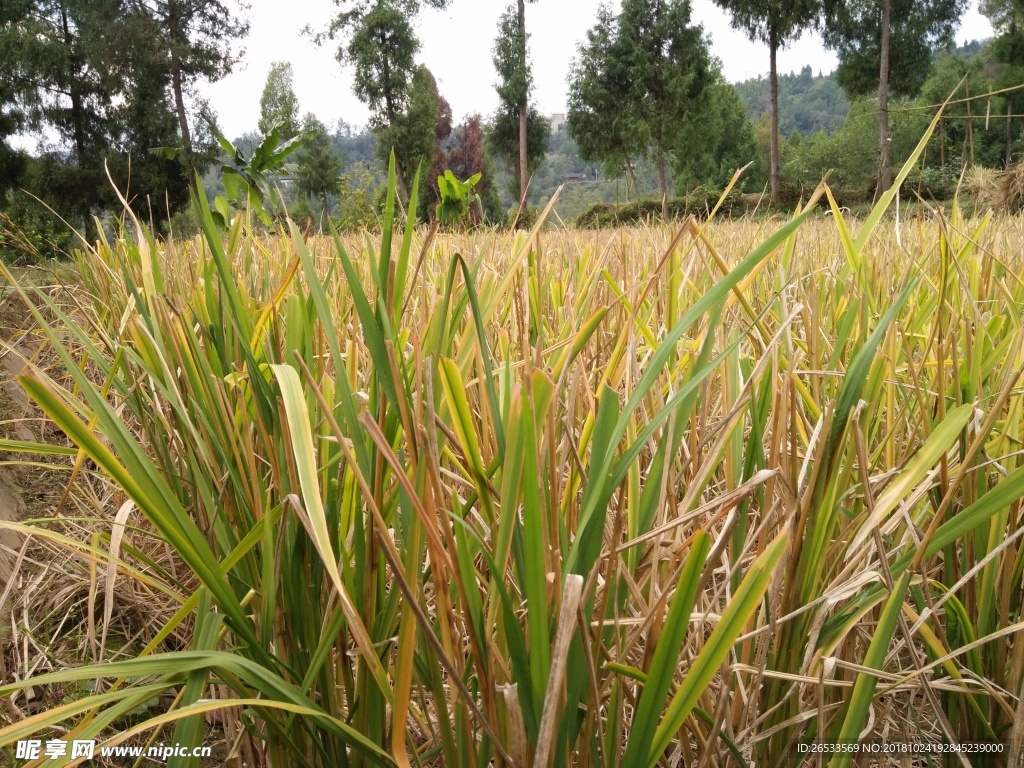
(653, 496)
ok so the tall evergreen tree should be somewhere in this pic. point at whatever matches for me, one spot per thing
(653, 68)
(599, 86)
(67, 77)
(278, 104)
(318, 165)
(414, 133)
(887, 45)
(518, 132)
(524, 98)
(712, 144)
(377, 39)
(195, 40)
(13, 15)
(93, 73)
(776, 23)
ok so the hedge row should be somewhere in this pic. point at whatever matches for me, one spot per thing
(699, 204)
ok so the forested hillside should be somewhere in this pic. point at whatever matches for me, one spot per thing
(808, 101)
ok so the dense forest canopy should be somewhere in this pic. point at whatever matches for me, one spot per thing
(111, 88)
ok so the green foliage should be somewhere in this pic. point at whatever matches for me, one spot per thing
(318, 165)
(247, 180)
(851, 153)
(413, 134)
(382, 50)
(515, 78)
(652, 67)
(969, 133)
(510, 57)
(278, 104)
(933, 182)
(358, 191)
(30, 233)
(807, 102)
(1007, 56)
(712, 147)
(105, 79)
(378, 39)
(774, 22)
(698, 203)
(768, 21)
(467, 156)
(12, 162)
(917, 27)
(457, 198)
(965, 136)
(598, 88)
(503, 140)
(669, 68)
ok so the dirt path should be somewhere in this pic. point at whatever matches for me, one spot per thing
(11, 509)
(13, 363)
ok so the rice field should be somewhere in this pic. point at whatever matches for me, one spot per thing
(700, 494)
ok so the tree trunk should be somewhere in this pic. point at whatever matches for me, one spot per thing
(77, 117)
(663, 182)
(524, 111)
(884, 169)
(942, 144)
(1009, 133)
(774, 174)
(392, 114)
(174, 29)
(970, 124)
(631, 175)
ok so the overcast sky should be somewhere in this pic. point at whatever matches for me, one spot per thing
(456, 46)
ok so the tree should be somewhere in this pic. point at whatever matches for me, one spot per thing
(598, 87)
(140, 121)
(194, 42)
(710, 148)
(64, 71)
(503, 141)
(774, 22)
(668, 68)
(318, 166)
(511, 60)
(1007, 18)
(12, 163)
(887, 44)
(278, 104)
(413, 134)
(376, 37)
(652, 68)
(93, 73)
(437, 165)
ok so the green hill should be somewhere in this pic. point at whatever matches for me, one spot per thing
(807, 102)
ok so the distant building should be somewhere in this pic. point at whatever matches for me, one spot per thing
(576, 178)
(557, 122)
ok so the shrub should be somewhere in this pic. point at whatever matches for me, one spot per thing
(30, 233)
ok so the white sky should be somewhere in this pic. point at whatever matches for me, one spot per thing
(456, 46)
